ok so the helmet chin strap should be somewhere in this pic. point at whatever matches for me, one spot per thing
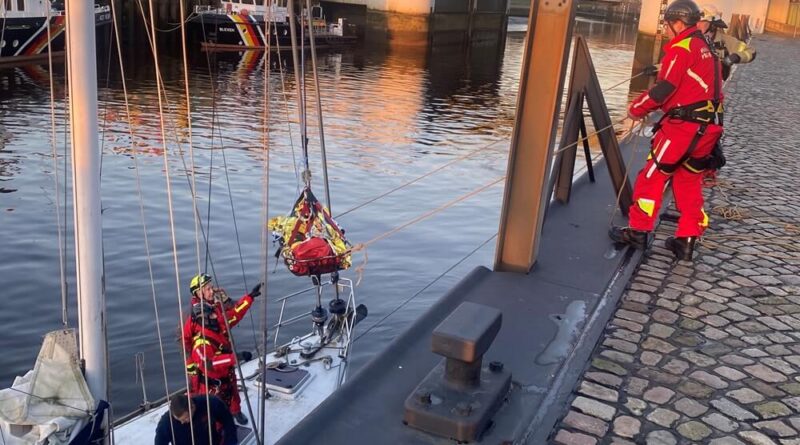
(672, 28)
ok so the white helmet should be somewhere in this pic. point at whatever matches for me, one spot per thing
(710, 13)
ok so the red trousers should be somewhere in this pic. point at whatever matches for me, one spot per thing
(669, 145)
(226, 389)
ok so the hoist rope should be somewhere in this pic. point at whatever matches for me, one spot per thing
(306, 175)
(320, 126)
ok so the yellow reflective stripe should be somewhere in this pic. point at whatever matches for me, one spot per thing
(704, 223)
(647, 206)
(687, 166)
(201, 341)
(232, 319)
(685, 44)
(244, 304)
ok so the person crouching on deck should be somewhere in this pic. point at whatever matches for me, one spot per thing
(212, 363)
(192, 419)
(689, 92)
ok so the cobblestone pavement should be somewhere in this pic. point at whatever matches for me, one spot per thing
(709, 352)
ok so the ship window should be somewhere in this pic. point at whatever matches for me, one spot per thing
(20, 5)
(8, 5)
(15, 43)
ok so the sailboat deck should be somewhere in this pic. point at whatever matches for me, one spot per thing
(283, 410)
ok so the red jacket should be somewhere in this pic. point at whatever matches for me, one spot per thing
(234, 313)
(212, 355)
(686, 76)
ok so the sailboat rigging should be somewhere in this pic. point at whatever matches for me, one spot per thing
(298, 374)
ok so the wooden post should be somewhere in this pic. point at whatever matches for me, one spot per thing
(547, 45)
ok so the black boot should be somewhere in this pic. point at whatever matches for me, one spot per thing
(626, 235)
(683, 248)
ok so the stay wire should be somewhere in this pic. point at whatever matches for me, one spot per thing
(173, 235)
(62, 268)
(265, 217)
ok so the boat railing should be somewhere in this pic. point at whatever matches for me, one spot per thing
(345, 286)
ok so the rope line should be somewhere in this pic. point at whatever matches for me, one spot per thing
(426, 215)
(419, 178)
(426, 287)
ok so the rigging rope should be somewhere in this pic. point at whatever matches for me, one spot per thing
(159, 86)
(185, 58)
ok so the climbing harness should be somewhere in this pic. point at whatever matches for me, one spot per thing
(705, 113)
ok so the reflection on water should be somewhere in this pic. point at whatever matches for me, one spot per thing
(391, 114)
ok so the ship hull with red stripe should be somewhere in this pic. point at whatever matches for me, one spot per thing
(26, 39)
(239, 32)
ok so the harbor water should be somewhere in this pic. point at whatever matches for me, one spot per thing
(391, 115)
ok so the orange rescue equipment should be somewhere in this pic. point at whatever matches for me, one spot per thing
(311, 243)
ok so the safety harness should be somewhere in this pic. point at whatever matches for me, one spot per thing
(216, 341)
(705, 113)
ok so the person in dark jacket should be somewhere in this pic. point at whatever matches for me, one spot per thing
(201, 414)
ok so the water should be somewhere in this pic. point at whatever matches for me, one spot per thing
(391, 114)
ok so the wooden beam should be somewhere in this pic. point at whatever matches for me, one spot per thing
(547, 46)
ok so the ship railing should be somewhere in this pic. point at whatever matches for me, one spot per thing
(345, 286)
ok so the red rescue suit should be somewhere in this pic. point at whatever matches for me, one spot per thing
(690, 74)
(234, 313)
(214, 367)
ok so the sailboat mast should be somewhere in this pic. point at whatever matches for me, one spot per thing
(82, 68)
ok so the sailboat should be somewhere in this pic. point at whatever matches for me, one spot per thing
(63, 399)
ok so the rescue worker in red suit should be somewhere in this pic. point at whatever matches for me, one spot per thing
(689, 92)
(203, 292)
(213, 361)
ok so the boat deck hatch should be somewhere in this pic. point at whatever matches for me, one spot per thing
(287, 380)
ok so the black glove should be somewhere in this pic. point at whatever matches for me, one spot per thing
(244, 356)
(256, 291)
(731, 59)
(651, 70)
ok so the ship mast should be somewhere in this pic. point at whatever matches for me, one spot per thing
(82, 70)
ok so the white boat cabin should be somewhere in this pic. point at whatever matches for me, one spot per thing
(20, 9)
